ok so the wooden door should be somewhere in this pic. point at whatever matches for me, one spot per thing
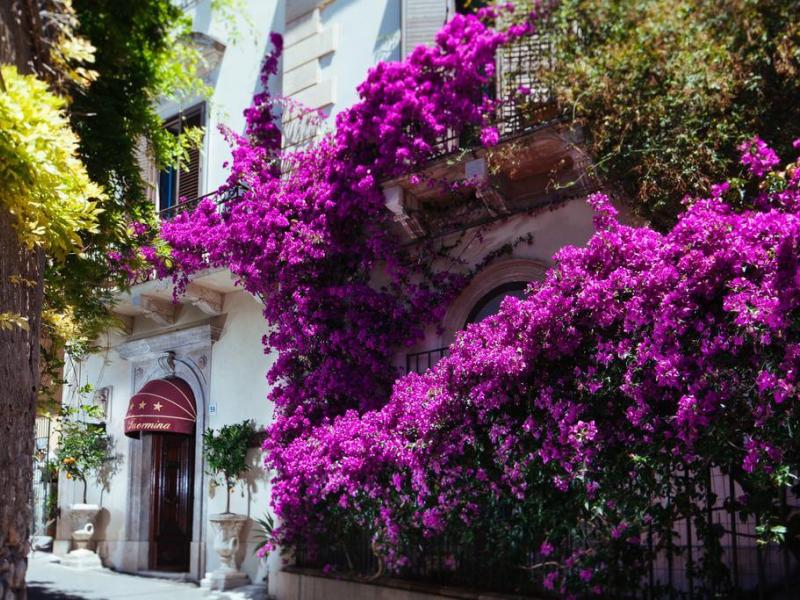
(172, 496)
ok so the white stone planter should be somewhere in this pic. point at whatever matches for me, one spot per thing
(227, 531)
(82, 517)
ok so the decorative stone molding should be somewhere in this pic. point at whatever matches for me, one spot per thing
(198, 336)
(502, 272)
(400, 203)
(163, 312)
(489, 190)
(311, 48)
(102, 398)
(207, 300)
(123, 324)
(306, 42)
(297, 8)
(211, 51)
(184, 352)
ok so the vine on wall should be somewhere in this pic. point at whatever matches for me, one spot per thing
(641, 354)
(309, 241)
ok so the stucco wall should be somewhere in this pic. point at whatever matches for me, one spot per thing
(550, 229)
(371, 33)
(299, 585)
(237, 389)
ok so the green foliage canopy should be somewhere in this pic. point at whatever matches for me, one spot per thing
(667, 89)
(143, 53)
(83, 446)
(43, 184)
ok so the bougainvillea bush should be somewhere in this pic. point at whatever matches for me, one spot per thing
(309, 237)
(308, 241)
(554, 429)
(560, 420)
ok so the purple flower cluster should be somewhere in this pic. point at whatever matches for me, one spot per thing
(759, 158)
(640, 350)
(309, 241)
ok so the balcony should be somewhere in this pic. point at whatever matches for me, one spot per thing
(518, 66)
(220, 197)
(419, 362)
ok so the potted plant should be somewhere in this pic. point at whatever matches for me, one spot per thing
(83, 447)
(82, 450)
(264, 527)
(225, 452)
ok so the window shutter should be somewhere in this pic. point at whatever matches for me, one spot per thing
(148, 169)
(421, 19)
(189, 182)
(189, 176)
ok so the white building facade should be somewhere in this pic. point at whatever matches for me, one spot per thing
(211, 339)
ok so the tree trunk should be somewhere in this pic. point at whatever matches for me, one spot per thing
(19, 379)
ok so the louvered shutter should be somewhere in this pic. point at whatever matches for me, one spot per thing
(189, 186)
(148, 169)
(189, 177)
(421, 19)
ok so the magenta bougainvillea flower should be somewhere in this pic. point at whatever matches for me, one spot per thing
(556, 422)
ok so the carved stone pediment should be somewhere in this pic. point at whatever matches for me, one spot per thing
(184, 339)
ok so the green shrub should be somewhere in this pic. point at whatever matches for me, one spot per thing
(83, 447)
(226, 455)
(667, 89)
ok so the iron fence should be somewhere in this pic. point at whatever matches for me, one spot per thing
(419, 362)
(713, 527)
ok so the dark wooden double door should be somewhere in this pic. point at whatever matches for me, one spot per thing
(171, 502)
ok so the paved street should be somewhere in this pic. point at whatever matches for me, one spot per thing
(48, 580)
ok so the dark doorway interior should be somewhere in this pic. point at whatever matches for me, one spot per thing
(171, 510)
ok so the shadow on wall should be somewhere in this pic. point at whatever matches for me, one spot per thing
(387, 45)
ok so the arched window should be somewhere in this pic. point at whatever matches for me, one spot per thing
(490, 303)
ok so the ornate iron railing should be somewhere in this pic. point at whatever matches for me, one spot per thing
(419, 362)
(749, 568)
(220, 197)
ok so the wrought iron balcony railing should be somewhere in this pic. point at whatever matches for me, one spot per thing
(419, 362)
(220, 197)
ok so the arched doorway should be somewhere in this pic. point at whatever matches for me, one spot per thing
(163, 414)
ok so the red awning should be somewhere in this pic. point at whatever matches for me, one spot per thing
(162, 406)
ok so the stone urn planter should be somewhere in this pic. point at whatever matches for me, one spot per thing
(227, 532)
(81, 519)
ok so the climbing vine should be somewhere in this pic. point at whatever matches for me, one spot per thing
(309, 239)
(641, 355)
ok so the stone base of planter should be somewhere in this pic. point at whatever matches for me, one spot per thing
(82, 559)
(224, 580)
(228, 528)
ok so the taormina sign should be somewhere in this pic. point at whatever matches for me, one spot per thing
(162, 405)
